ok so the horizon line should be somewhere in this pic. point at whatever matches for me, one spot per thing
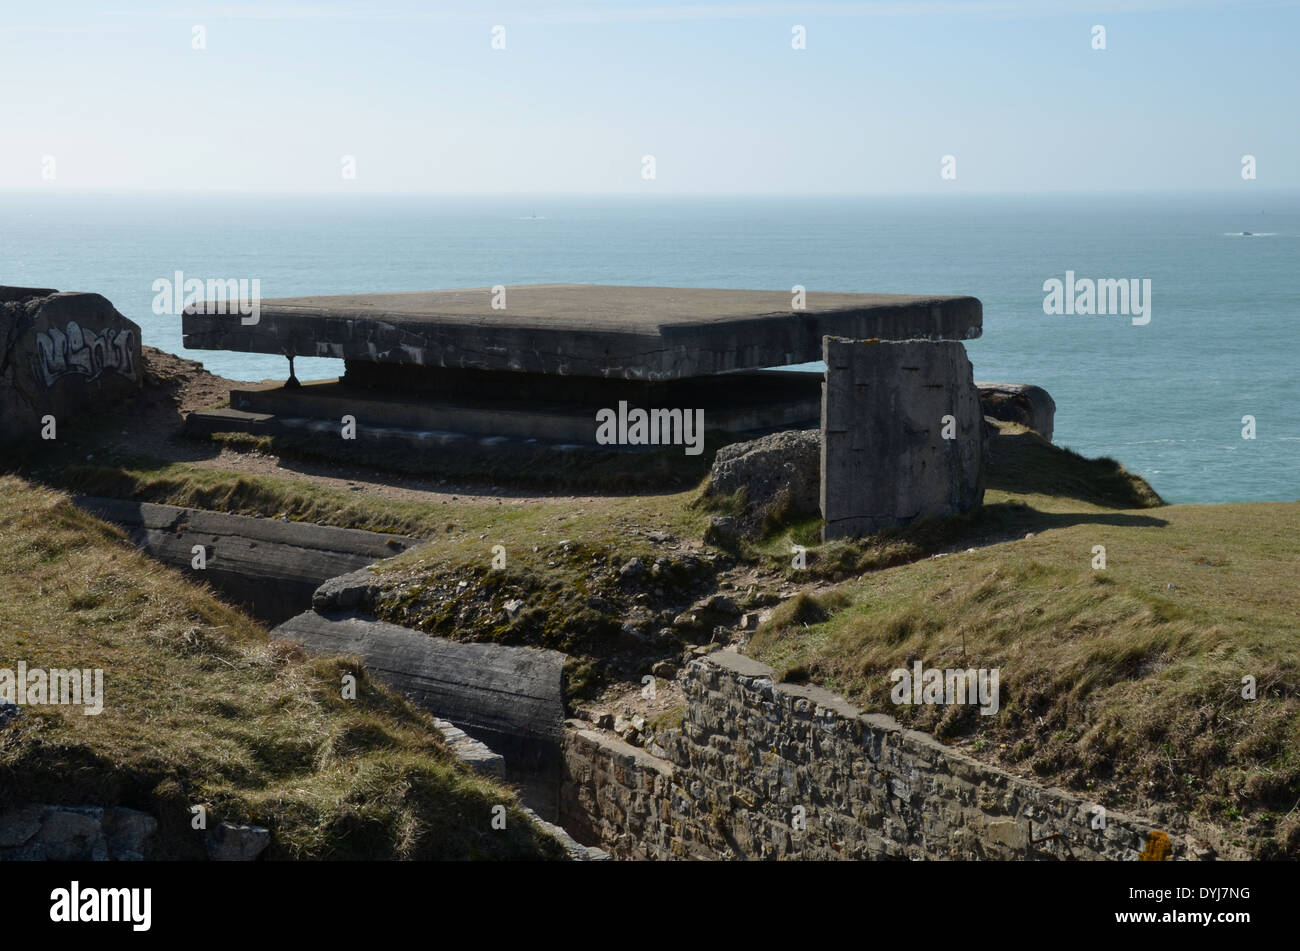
(359, 193)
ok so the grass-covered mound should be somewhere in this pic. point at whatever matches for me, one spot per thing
(601, 582)
(185, 484)
(562, 558)
(201, 708)
(1125, 681)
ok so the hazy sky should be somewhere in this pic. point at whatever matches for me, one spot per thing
(116, 94)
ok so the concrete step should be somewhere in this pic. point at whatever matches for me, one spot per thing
(482, 688)
(207, 422)
(738, 408)
(330, 400)
(738, 403)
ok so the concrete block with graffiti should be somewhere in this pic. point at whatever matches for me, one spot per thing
(62, 355)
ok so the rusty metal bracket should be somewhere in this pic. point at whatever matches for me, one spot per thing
(1065, 843)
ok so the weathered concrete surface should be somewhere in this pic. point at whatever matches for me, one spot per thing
(374, 438)
(511, 698)
(354, 591)
(229, 842)
(480, 758)
(271, 567)
(475, 754)
(1022, 403)
(754, 754)
(66, 355)
(779, 474)
(523, 405)
(583, 329)
(576, 851)
(885, 460)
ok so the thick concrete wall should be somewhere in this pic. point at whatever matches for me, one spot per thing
(511, 698)
(66, 355)
(268, 566)
(753, 753)
(902, 434)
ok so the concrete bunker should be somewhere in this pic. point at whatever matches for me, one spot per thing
(430, 369)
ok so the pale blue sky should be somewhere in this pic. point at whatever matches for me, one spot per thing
(116, 94)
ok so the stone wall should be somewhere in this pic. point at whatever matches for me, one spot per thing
(40, 832)
(478, 757)
(75, 834)
(621, 798)
(762, 770)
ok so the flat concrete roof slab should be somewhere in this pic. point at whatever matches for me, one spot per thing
(583, 329)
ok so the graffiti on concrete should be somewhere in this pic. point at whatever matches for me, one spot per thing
(84, 352)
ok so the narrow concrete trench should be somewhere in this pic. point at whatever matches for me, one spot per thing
(310, 584)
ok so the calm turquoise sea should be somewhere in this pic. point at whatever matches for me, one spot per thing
(1167, 399)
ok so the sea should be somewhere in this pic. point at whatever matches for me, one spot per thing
(1168, 397)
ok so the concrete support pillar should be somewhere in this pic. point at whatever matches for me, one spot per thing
(902, 434)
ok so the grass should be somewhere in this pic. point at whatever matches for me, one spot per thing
(1032, 486)
(202, 487)
(541, 468)
(563, 564)
(1123, 682)
(1126, 681)
(201, 708)
(574, 602)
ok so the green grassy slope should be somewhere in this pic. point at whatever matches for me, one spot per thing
(201, 708)
(1125, 681)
